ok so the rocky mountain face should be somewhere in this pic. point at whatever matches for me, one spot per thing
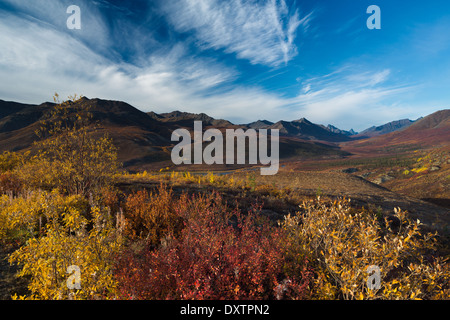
(385, 128)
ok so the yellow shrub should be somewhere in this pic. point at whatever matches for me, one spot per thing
(152, 216)
(342, 243)
(20, 216)
(75, 233)
(211, 177)
(56, 224)
(10, 160)
(69, 157)
(419, 170)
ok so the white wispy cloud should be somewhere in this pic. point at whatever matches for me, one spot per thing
(262, 32)
(53, 15)
(348, 93)
(173, 79)
(38, 59)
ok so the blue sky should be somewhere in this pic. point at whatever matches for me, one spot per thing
(234, 59)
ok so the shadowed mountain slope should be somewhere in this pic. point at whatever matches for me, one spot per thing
(307, 130)
(430, 131)
(385, 128)
(144, 138)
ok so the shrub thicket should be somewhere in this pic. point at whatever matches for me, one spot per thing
(343, 243)
(53, 207)
(75, 233)
(152, 216)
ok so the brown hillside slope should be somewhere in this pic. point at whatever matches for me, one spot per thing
(137, 136)
(143, 139)
(433, 130)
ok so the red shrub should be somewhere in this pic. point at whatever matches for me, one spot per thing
(220, 254)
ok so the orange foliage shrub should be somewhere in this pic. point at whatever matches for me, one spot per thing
(152, 216)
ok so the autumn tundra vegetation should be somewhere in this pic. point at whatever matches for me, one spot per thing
(62, 205)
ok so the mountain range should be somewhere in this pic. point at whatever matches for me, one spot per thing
(385, 128)
(424, 133)
(144, 138)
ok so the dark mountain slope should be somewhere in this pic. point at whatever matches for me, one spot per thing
(137, 136)
(430, 131)
(385, 128)
(9, 107)
(187, 119)
(260, 124)
(307, 130)
(144, 138)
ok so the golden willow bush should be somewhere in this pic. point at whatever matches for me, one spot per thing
(69, 157)
(55, 232)
(342, 243)
(10, 161)
(75, 233)
(59, 216)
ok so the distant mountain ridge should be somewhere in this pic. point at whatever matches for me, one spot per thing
(302, 128)
(432, 130)
(332, 128)
(187, 118)
(260, 124)
(307, 130)
(142, 138)
(385, 128)
(145, 137)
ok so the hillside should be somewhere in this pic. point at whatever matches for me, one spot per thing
(137, 136)
(384, 129)
(334, 129)
(186, 119)
(307, 130)
(144, 139)
(260, 124)
(430, 131)
(9, 107)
